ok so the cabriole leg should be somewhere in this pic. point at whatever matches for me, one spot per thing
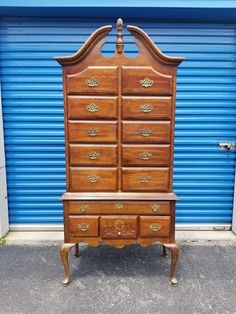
(174, 257)
(76, 250)
(64, 257)
(164, 252)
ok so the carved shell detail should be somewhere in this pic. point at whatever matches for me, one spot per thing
(119, 227)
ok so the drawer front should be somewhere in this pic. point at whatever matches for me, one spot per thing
(146, 108)
(148, 155)
(154, 227)
(119, 207)
(85, 180)
(150, 179)
(93, 155)
(118, 227)
(93, 80)
(149, 132)
(92, 132)
(82, 107)
(85, 226)
(145, 81)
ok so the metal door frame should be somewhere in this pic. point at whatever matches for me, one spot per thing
(4, 220)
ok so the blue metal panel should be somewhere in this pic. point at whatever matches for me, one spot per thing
(33, 113)
(174, 10)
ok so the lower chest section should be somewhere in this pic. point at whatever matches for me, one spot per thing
(118, 220)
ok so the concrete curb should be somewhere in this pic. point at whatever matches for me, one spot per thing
(186, 237)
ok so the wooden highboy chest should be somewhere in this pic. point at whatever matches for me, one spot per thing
(119, 134)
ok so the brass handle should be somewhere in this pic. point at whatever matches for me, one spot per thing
(155, 208)
(146, 82)
(92, 82)
(93, 155)
(83, 207)
(83, 227)
(93, 132)
(145, 155)
(145, 178)
(93, 178)
(145, 132)
(146, 108)
(154, 227)
(119, 205)
(92, 107)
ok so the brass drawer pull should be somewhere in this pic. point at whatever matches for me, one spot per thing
(83, 207)
(92, 107)
(83, 227)
(145, 132)
(155, 208)
(93, 155)
(146, 108)
(93, 178)
(145, 155)
(92, 82)
(154, 227)
(146, 82)
(145, 178)
(93, 132)
(119, 205)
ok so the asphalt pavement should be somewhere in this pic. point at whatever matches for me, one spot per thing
(111, 281)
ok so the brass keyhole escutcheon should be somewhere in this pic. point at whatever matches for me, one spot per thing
(93, 155)
(155, 208)
(145, 132)
(92, 82)
(119, 205)
(93, 178)
(92, 107)
(146, 108)
(145, 155)
(146, 82)
(83, 207)
(83, 227)
(93, 132)
(154, 227)
(145, 178)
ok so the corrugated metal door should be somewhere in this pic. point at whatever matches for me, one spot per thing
(33, 114)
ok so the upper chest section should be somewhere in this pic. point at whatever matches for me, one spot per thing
(88, 72)
(126, 80)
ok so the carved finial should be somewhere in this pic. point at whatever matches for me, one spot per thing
(119, 40)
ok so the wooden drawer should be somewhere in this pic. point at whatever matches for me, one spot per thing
(93, 80)
(86, 226)
(148, 155)
(154, 227)
(146, 108)
(118, 227)
(150, 179)
(92, 132)
(82, 107)
(149, 132)
(93, 155)
(85, 180)
(119, 207)
(145, 81)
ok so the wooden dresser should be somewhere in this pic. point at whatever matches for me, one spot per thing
(119, 133)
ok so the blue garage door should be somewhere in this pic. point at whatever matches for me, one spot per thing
(33, 113)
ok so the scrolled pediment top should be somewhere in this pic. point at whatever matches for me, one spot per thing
(91, 42)
(147, 42)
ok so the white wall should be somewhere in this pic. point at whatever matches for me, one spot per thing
(4, 222)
